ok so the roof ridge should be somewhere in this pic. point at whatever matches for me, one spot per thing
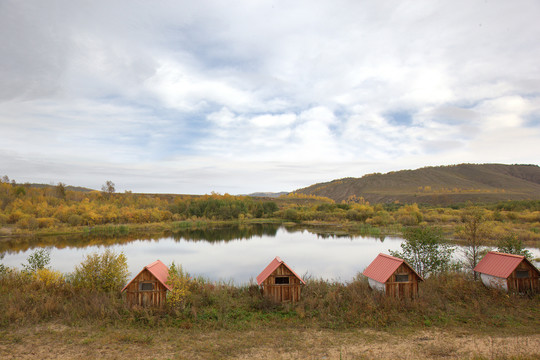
(154, 264)
(391, 257)
(506, 254)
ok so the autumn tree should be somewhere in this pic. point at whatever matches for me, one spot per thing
(61, 190)
(474, 231)
(108, 187)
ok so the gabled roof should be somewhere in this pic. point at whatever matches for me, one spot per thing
(500, 264)
(273, 266)
(384, 266)
(159, 270)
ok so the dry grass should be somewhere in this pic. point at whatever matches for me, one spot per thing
(54, 341)
(453, 318)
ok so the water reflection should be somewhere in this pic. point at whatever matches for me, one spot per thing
(235, 253)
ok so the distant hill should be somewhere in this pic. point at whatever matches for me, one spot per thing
(438, 185)
(268, 194)
(68, 187)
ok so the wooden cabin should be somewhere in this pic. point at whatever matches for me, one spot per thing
(149, 287)
(508, 272)
(279, 282)
(393, 276)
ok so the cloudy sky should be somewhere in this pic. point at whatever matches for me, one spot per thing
(244, 96)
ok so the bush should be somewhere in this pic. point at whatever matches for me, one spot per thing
(425, 250)
(38, 260)
(179, 282)
(106, 272)
(75, 220)
(50, 278)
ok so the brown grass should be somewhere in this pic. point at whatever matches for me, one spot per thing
(453, 318)
(53, 341)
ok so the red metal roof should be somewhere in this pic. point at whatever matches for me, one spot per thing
(500, 264)
(384, 266)
(158, 269)
(273, 266)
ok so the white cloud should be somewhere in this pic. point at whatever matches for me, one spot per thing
(292, 93)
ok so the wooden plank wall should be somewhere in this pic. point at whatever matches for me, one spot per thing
(531, 284)
(282, 292)
(402, 289)
(156, 297)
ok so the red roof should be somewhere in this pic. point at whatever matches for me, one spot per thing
(384, 266)
(159, 270)
(273, 266)
(500, 264)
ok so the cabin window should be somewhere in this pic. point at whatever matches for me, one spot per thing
(281, 280)
(522, 274)
(146, 286)
(402, 277)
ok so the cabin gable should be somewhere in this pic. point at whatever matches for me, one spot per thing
(148, 288)
(403, 283)
(393, 276)
(279, 282)
(524, 278)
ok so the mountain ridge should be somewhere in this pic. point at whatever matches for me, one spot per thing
(437, 185)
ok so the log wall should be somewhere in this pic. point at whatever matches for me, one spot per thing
(402, 290)
(282, 292)
(531, 284)
(146, 298)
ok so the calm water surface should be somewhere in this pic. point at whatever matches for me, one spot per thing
(233, 254)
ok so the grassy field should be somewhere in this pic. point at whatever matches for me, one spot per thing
(453, 317)
(281, 341)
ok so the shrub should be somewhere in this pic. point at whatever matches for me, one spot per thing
(106, 272)
(425, 250)
(28, 222)
(179, 282)
(50, 278)
(75, 220)
(38, 260)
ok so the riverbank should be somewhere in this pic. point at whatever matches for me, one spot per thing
(330, 228)
(27, 211)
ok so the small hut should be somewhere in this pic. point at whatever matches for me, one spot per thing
(280, 282)
(508, 272)
(393, 276)
(149, 287)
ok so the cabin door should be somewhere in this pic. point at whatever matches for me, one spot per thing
(286, 293)
(401, 291)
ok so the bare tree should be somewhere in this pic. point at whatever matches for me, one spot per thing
(474, 231)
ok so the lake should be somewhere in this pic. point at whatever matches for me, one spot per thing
(235, 253)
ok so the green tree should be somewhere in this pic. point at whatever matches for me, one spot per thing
(425, 250)
(102, 272)
(474, 231)
(512, 245)
(3, 268)
(38, 260)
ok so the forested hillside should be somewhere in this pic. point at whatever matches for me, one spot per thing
(437, 185)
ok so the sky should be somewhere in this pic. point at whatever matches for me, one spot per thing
(242, 96)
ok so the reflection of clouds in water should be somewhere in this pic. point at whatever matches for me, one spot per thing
(329, 257)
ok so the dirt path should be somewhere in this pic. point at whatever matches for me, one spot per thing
(53, 341)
